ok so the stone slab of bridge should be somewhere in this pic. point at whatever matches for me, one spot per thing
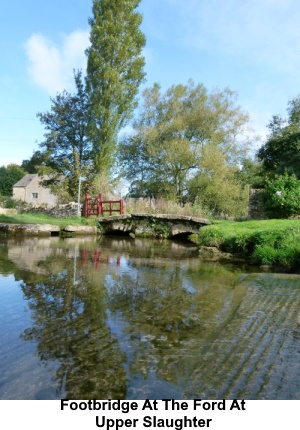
(151, 225)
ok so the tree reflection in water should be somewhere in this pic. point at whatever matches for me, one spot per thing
(165, 314)
(70, 328)
(134, 319)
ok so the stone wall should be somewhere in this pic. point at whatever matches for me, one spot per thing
(60, 211)
(256, 209)
(14, 230)
(5, 211)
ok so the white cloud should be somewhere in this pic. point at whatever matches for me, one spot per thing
(265, 32)
(50, 66)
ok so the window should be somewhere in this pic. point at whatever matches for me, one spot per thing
(35, 195)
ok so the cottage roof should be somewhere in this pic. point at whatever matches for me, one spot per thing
(25, 180)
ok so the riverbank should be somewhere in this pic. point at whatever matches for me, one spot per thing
(44, 225)
(30, 218)
(274, 243)
(269, 243)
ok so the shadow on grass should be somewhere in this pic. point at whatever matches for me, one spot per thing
(8, 219)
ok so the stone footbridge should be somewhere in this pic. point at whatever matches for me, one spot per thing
(151, 225)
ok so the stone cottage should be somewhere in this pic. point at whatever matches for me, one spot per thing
(30, 190)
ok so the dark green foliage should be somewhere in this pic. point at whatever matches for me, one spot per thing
(38, 158)
(68, 149)
(9, 175)
(10, 203)
(282, 197)
(250, 174)
(281, 152)
(139, 167)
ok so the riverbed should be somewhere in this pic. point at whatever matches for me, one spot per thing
(123, 318)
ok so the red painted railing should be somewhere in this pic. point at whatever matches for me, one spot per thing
(96, 258)
(97, 206)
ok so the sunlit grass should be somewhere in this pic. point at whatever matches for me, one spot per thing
(268, 242)
(29, 218)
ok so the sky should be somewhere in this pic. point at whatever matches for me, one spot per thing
(250, 46)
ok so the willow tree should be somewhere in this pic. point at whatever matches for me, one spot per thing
(115, 70)
(172, 135)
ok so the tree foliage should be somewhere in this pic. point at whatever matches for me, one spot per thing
(172, 135)
(67, 149)
(9, 176)
(282, 196)
(70, 327)
(215, 186)
(114, 73)
(281, 152)
(38, 158)
(250, 173)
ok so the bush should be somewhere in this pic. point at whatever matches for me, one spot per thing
(162, 206)
(9, 175)
(10, 203)
(282, 197)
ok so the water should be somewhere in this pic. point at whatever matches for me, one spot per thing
(134, 319)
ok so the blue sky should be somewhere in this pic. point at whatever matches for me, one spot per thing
(250, 46)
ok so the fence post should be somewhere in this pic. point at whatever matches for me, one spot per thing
(86, 205)
(121, 207)
(100, 204)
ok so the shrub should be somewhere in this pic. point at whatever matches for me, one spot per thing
(163, 206)
(282, 197)
(10, 203)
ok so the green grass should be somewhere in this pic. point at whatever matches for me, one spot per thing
(29, 218)
(268, 242)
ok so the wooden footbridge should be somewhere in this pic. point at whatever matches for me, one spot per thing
(151, 225)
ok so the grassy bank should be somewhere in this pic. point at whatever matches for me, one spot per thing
(268, 242)
(29, 218)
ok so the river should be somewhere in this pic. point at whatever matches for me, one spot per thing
(122, 318)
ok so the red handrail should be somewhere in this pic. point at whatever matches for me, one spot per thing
(95, 206)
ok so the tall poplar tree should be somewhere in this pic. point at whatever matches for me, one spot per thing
(115, 69)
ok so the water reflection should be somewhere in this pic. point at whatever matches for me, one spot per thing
(141, 319)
